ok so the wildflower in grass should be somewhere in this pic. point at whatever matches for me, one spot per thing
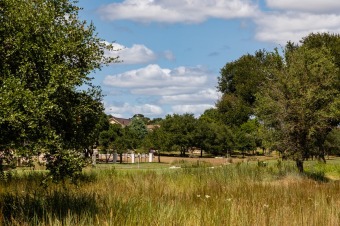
(265, 205)
(207, 196)
(198, 196)
(229, 200)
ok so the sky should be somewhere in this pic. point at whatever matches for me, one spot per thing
(171, 51)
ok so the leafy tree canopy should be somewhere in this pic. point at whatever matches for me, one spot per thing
(301, 101)
(239, 82)
(179, 131)
(47, 101)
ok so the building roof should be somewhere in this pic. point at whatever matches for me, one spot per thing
(121, 121)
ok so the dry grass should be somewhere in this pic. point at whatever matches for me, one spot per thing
(215, 161)
(235, 194)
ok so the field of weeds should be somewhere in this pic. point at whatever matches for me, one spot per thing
(189, 194)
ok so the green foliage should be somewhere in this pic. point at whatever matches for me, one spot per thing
(213, 137)
(155, 139)
(332, 143)
(65, 164)
(239, 82)
(301, 101)
(108, 138)
(47, 101)
(179, 132)
(243, 76)
(211, 115)
(138, 127)
(247, 136)
(234, 111)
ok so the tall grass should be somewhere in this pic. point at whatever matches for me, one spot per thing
(237, 194)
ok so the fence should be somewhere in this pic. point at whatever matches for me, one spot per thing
(126, 157)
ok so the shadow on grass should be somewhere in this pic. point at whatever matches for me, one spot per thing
(29, 208)
(317, 176)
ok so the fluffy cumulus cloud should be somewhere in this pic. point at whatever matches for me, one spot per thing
(193, 109)
(316, 6)
(291, 20)
(154, 76)
(174, 11)
(182, 89)
(148, 110)
(282, 27)
(202, 96)
(137, 54)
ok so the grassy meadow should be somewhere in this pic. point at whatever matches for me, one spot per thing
(197, 193)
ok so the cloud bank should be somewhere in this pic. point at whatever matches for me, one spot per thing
(182, 89)
(175, 11)
(287, 20)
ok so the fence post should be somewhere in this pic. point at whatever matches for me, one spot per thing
(94, 157)
(133, 158)
(150, 157)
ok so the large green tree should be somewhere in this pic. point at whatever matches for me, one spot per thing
(47, 101)
(212, 136)
(239, 81)
(179, 132)
(301, 101)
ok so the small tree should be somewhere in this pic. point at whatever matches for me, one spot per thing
(156, 140)
(108, 140)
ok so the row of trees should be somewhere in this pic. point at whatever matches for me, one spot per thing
(182, 134)
(208, 133)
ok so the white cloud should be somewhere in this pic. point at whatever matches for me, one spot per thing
(184, 89)
(154, 76)
(203, 96)
(317, 6)
(128, 109)
(137, 54)
(193, 109)
(280, 28)
(166, 91)
(174, 11)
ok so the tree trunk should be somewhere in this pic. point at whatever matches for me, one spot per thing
(1, 166)
(201, 153)
(182, 152)
(299, 165)
(322, 158)
(121, 158)
(159, 156)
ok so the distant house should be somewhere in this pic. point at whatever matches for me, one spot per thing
(126, 122)
(120, 121)
(152, 127)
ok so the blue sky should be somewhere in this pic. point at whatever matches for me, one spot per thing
(172, 50)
